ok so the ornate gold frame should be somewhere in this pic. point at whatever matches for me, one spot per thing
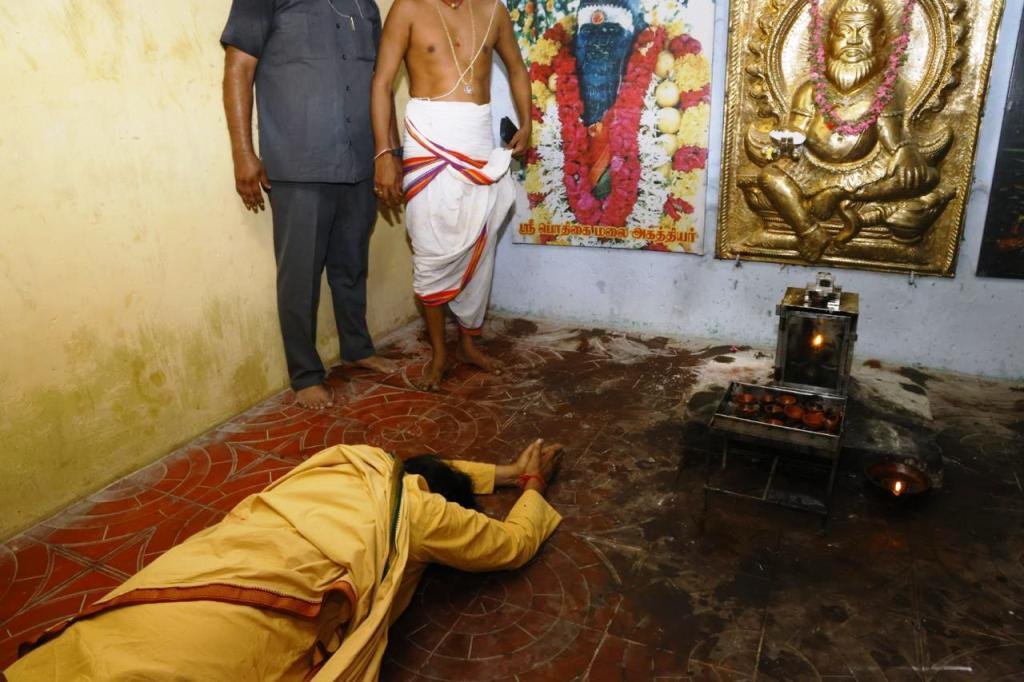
(946, 76)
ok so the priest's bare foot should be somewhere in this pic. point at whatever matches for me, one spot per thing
(433, 374)
(376, 363)
(471, 354)
(314, 397)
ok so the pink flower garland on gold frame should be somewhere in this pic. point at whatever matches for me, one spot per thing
(886, 90)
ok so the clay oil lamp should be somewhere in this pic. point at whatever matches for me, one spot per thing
(767, 398)
(813, 419)
(832, 421)
(786, 400)
(899, 478)
(749, 410)
(795, 414)
(775, 421)
(775, 410)
(742, 398)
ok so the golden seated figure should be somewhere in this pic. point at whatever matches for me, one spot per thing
(838, 177)
(847, 153)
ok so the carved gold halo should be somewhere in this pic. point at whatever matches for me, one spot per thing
(758, 101)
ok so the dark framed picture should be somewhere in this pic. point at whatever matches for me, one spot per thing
(1002, 245)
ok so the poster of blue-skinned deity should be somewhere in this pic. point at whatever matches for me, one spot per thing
(1002, 245)
(621, 108)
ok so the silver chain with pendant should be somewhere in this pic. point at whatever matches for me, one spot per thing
(351, 19)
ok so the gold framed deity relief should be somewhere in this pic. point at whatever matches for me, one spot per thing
(850, 130)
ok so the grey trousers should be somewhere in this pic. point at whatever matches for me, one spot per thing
(318, 226)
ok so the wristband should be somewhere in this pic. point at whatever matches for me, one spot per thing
(382, 152)
(525, 478)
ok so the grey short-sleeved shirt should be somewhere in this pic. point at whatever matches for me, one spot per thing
(312, 84)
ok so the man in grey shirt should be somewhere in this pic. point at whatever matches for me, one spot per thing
(311, 62)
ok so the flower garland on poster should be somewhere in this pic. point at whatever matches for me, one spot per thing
(658, 136)
(535, 17)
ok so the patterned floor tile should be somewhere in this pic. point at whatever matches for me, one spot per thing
(59, 604)
(640, 582)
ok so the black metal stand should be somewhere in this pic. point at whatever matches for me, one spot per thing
(770, 494)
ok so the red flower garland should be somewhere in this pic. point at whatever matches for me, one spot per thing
(623, 120)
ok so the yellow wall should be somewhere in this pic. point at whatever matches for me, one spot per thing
(136, 294)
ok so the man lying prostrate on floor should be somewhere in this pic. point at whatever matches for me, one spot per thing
(305, 577)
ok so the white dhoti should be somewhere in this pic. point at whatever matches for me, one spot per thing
(458, 192)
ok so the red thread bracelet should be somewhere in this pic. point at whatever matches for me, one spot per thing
(525, 478)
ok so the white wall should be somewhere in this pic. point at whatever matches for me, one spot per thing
(966, 323)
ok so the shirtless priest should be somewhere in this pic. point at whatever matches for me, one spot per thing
(455, 182)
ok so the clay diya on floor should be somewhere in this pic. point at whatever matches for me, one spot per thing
(814, 405)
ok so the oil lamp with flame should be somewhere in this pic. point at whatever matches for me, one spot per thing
(898, 478)
(817, 329)
(799, 417)
(899, 461)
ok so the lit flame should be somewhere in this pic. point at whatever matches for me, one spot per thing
(897, 488)
(817, 340)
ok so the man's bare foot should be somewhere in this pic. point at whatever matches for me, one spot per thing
(433, 374)
(469, 353)
(314, 397)
(376, 363)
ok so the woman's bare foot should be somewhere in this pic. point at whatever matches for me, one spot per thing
(376, 363)
(314, 397)
(469, 353)
(433, 374)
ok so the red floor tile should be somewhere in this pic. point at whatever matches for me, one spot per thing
(620, 659)
(29, 571)
(632, 585)
(240, 485)
(68, 601)
(151, 543)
